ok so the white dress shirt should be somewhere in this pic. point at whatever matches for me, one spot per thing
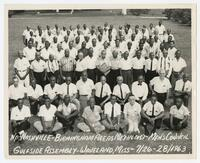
(125, 90)
(19, 115)
(29, 53)
(108, 109)
(105, 92)
(181, 86)
(178, 65)
(52, 92)
(179, 113)
(139, 90)
(85, 88)
(71, 89)
(38, 66)
(125, 64)
(138, 63)
(148, 64)
(91, 62)
(21, 64)
(67, 110)
(35, 93)
(47, 114)
(150, 111)
(132, 110)
(16, 92)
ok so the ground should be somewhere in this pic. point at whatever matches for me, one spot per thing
(181, 33)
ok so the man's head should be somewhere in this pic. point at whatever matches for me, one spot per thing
(115, 54)
(80, 55)
(165, 53)
(171, 44)
(52, 80)
(46, 44)
(185, 77)
(59, 47)
(66, 53)
(151, 55)
(15, 81)
(20, 54)
(84, 75)
(126, 54)
(119, 80)
(162, 74)
(33, 82)
(47, 102)
(138, 53)
(38, 55)
(103, 79)
(178, 54)
(178, 102)
(140, 79)
(91, 102)
(70, 44)
(160, 22)
(83, 45)
(113, 99)
(66, 99)
(105, 45)
(131, 99)
(117, 42)
(103, 54)
(90, 53)
(68, 80)
(51, 57)
(94, 42)
(66, 38)
(20, 103)
(153, 98)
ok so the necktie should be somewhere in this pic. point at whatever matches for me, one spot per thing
(151, 65)
(101, 91)
(165, 64)
(152, 109)
(161, 63)
(112, 113)
(67, 89)
(183, 86)
(121, 92)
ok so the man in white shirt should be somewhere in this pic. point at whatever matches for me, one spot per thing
(47, 123)
(132, 115)
(178, 116)
(85, 87)
(121, 91)
(161, 86)
(140, 90)
(15, 92)
(35, 95)
(72, 51)
(81, 65)
(102, 92)
(151, 65)
(45, 52)
(161, 29)
(26, 35)
(112, 116)
(178, 67)
(138, 65)
(126, 69)
(21, 66)
(152, 113)
(29, 51)
(91, 64)
(92, 116)
(172, 50)
(20, 115)
(38, 69)
(58, 52)
(52, 91)
(183, 88)
(67, 113)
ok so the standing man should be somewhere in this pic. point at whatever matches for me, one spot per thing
(67, 113)
(35, 95)
(102, 92)
(140, 90)
(132, 115)
(47, 123)
(178, 116)
(38, 69)
(85, 87)
(52, 91)
(126, 69)
(121, 91)
(21, 66)
(178, 67)
(152, 113)
(161, 86)
(29, 51)
(161, 29)
(20, 115)
(138, 64)
(172, 50)
(67, 66)
(81, 65)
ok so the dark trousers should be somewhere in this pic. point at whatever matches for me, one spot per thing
(150, 75)
(68, 73)
(175, 123)
(92, 74)
(39, 76)
(174, 78)
(99, 100)
(157, 123)
(161, 97)
(127, 77)
(112, 81)
(69, 122)
(12, 103)
(77, 75)
(19, 127)
(137, 73)
(34, 106)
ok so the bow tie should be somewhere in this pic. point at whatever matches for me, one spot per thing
(139, 84)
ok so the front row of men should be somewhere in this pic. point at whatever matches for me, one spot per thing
(93, 119)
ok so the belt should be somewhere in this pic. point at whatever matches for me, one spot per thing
(83, 95)
(22, 70)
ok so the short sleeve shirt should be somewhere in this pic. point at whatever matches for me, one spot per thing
(21, 64)
(52, 92)
(67, 110)
(35, 93)
(19, 115)
(72, 89)
(108, 109)
(125, 90)
(38, 66)
(132, 110)
(148, 108)
(179, 113)
(47, 114)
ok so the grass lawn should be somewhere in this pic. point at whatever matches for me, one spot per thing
(181, 33)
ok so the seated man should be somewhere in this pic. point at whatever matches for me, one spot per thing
(35, 94)
(67, 113)
(132, 115)
(112, 112)
(152, 113)
(47, 123)
(183, 88)
(178, 116)
(20, 119)
(52, 91)
(92, 118)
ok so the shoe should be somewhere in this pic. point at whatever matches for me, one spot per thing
(146, 132)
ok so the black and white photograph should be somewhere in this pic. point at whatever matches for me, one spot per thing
(99, 81)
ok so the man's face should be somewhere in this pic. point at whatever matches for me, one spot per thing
(33, 83)
(70, 44)
(119, 80)
(185, 78)
(20, 54)
(131, 100)
(162, 75)
(30, 44)
(113, 99)
(105, 45)
(66, 53)
(171, 44)
(153, 100)
(37, 56)
(52, 81)
(140, 79)
(115, 54)
(51, 57)
(47, 103)
(84, 76)
(103, 80)
(126, 55)
(47, 44)
(66, 100)
(16, 82)
(138, 54)
(68, 80)
(103, 54)
(90, 52)
(117, 43)
(83, 44)
(178, 54)
(92, 102)
(165, 53)
(94, 41)
(20, 103)
(151, 55)
(66, 39)
(178, 102)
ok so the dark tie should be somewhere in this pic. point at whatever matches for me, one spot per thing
(183, 86)
(101, 91)
(161, 63)
(152, 109)
(112, 113)
(67, 89)
(165, 64)
(151, 65)
(121, 92)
